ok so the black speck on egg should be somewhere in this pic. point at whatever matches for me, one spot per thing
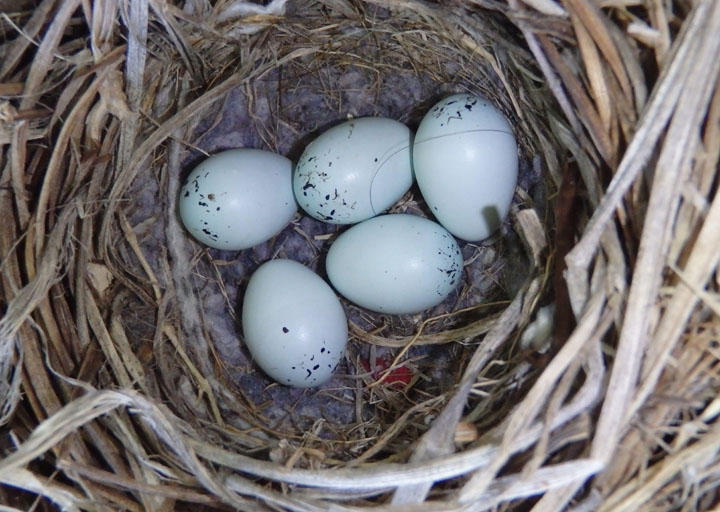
(316, 367)
(285, 330)
(186, 194)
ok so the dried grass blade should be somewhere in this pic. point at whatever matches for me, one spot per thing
(108, 478)
(349, 479)
(130, 360)
(459, 334)
(18, 157)
(588, 113)
(104, 16)
(137, 25)
(653, 122)
(62, 495)
(13, 53)
(595, 22)
(547, 478)
(552, 79)
(672, 165)
(46, 52)
(546, 7)
(659, 19)
(594, 69)
(106, 342)
(137, 250)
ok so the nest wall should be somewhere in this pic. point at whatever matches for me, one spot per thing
(123, 381)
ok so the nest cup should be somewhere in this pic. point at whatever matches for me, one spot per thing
(575, 366)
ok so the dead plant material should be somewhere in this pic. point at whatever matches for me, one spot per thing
(123, 381)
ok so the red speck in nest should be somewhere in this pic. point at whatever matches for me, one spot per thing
(399, 376)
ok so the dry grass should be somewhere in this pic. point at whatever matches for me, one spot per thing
(619, 101)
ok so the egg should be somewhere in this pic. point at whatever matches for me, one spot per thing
(354, 170)
(238, 198)
(466, 165)
(395, 264)
(293, 324)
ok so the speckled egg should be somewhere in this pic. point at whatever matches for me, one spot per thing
(466, 165)
(238, 198)
(354, 170)
(293, 324)
(395, 264)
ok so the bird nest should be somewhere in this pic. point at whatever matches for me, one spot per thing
(576, 365)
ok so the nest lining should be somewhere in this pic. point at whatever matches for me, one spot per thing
(81, 274)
